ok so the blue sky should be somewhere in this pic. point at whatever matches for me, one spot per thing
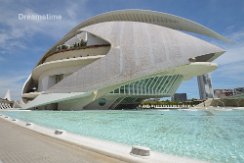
(22, 43)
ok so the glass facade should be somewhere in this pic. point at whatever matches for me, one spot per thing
(158, 85)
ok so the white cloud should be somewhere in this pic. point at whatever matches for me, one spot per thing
(72, 10)
(12, 81)
(15, 32)
(234, 55)
(237, 37)
(229, 76)
(230, 72)
(231, 55)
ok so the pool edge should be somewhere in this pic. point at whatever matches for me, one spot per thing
(111, 149)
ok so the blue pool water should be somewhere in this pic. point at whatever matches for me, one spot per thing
(213, 135)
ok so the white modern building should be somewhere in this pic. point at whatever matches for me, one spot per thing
(117, 59)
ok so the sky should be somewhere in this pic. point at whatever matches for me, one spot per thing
(24, 42)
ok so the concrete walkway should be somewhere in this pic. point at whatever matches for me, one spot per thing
(20, 145)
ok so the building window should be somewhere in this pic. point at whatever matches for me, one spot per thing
(58, 78)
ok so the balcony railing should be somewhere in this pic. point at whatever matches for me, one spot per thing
(71, 49)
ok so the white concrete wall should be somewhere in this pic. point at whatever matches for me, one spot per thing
(138, 50)
(93, 40)
(46, 80)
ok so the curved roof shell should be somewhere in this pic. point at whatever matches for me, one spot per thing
(152, 17)
(146, 16)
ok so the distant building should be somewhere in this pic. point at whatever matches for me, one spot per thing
(205, 86)
(239, 90)
(179, 97)
(220, 93)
